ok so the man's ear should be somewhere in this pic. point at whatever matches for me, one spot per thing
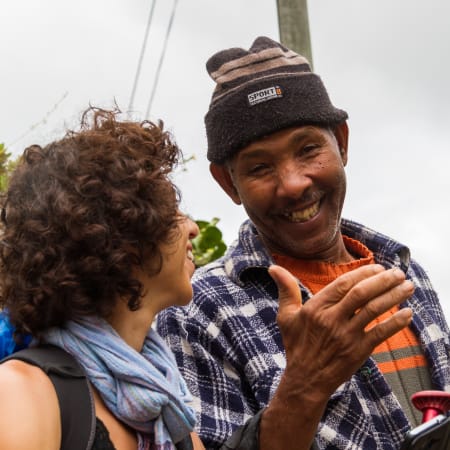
(341, 133)
(221, 174)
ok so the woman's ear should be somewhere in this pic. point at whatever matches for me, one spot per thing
(341, 133)
(221, 174)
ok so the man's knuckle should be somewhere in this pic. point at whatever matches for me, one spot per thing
(371, 311)
(345, 284)
(358, 291)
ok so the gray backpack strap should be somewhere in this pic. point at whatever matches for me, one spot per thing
(73, 391)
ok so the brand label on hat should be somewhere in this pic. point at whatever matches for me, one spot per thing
(264, 95)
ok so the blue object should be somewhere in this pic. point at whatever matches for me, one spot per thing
(7, 343)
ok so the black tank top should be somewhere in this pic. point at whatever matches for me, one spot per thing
(103, 442)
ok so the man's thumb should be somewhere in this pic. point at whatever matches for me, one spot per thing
(289, 294)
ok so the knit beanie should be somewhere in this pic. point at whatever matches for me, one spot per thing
(261, 91)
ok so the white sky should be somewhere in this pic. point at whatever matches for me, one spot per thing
(385, 62)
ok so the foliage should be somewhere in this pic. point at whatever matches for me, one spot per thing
(4, 157)
(7, 165)
(208, 245)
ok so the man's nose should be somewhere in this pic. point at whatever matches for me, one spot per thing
(292, 181)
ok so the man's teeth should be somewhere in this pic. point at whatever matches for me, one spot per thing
(304, 214)
(190, 255)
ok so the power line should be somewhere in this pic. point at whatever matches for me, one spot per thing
(161, 59)
(40, 122)
(141, 57)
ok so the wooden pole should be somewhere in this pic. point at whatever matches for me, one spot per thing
(293, 25)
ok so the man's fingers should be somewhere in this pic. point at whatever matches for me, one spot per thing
(387, 288)
(384, 302)
(355, 298)
(339, 288)
(289, 294)
(389, 327)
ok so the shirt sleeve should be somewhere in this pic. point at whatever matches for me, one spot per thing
(216, 386)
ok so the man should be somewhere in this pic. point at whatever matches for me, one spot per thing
(336, 371)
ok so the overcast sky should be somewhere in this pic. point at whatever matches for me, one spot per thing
(386, 62)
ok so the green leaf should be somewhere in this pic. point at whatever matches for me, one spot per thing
(208, 245)
(5, 168)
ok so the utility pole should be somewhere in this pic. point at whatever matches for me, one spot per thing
(293, 24)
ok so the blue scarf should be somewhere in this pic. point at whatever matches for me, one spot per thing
(144, 390)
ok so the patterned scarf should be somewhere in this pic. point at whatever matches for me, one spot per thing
(144, 390)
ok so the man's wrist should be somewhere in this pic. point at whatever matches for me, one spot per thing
(296, 405)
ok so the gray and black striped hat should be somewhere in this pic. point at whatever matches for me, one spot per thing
(261, 91)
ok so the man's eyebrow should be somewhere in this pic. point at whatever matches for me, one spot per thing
(306, 132)
(259, 149)
(253, 153)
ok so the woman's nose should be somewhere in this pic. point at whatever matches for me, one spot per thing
(193, 229)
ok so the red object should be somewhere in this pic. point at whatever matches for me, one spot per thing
(431, 403)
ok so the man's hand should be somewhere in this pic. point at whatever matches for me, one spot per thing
(326, 340)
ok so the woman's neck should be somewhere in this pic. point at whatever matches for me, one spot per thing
(132, 326)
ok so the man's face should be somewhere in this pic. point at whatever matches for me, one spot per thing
(292, 185)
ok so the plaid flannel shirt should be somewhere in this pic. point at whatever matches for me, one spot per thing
(229, 348)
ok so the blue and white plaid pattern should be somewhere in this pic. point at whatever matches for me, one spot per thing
(229, 348)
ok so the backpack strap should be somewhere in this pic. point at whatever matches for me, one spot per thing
(74, 395)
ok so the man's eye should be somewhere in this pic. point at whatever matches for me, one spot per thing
(257, 169)
(310, 148)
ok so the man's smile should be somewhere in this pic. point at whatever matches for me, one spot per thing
(303, 215)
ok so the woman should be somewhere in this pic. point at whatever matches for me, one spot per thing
(93, 247)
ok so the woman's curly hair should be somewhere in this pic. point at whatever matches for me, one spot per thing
(79, 214)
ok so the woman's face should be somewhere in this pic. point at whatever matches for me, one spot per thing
(172, 285)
